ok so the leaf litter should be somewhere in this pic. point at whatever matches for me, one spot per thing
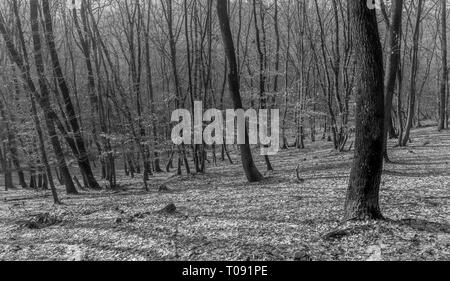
(218, 216)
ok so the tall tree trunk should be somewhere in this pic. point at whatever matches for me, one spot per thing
(23, 65)
(444, 80)
(414, 72)
(70, 187)
(252, 173)
(363, 193)
(157, 165)
(85, 47)
(262, 68)
(277, 54)
(286, 80)
(14, 150)
(400, 105)
(80, 150)
(393, 64)
(168, 11)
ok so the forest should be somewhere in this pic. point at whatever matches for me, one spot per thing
(90, 170)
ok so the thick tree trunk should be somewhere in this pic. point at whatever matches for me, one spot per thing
(363, 193)
(252, 173)
(93, 97)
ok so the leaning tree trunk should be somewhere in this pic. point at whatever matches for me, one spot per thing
(70, 187)
(80, 149)
(363, 193)
(24, 67)
(252, 173)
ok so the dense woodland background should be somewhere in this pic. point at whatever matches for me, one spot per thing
(87, 87)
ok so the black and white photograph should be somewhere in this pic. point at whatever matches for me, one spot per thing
(224, 136)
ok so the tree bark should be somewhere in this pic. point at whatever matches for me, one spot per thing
(414, 72)
(444, 80)
(5, 167)
(4, 148)
(250, 169)
(363, 193)
(262, 68)
(80, 150)
(393, 64)
(70, 187)
(23, 65)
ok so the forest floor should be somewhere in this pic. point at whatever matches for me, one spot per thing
(220, 216)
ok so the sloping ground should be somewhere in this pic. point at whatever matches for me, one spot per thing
(221, 217)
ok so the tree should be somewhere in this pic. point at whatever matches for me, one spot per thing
(9, 120)
(80, 148)
(151, 89)
(262, 66)
(168, 13)
(22, 63)
(393, 65)
(250, 169)
(44, 91)
(363, 193)
(415, 63)
(5, 162)
(444, 80)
